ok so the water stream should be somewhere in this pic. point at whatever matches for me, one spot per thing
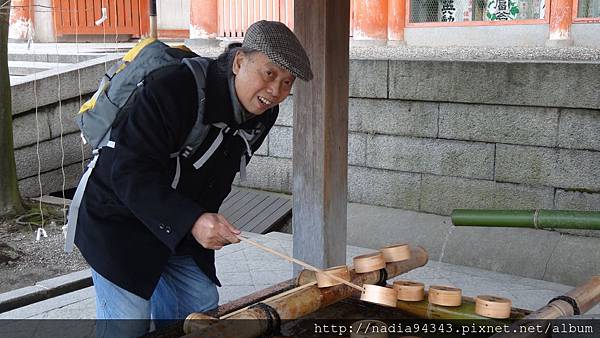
(439, 267)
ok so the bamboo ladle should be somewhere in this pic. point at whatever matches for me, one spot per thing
(299, 262)
(372, 293)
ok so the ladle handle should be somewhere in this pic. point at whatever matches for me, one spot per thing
(299, 262)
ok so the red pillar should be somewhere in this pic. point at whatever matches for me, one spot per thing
(204, 19)
(561, 12)
(20, 19)
(396, 21)
(370, 21)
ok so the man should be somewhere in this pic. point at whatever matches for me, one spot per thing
(151, 246)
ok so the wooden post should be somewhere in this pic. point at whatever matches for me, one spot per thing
(204, 22)
(370, 22)
(396, 22)
(561, 12)
(20, 19)
(320, 161)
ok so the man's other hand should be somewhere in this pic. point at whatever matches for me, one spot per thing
(213, 231)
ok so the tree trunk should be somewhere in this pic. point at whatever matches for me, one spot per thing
(10, 199)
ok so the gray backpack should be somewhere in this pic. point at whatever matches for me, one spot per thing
(97, 116)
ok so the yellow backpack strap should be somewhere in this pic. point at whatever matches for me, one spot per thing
(128, 57)
(133, 52)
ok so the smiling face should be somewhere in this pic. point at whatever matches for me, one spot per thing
(260, 84)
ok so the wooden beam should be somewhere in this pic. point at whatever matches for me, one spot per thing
(320, 161)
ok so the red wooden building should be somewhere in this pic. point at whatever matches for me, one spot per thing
(414, 22)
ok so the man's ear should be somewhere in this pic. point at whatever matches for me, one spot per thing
(237, 62)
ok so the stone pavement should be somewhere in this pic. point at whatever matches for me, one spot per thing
(244, 269)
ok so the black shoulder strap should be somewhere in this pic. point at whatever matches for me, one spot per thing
(199, 67)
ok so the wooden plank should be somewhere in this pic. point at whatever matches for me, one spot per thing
(320, 156)
(64, 14)
(81, 15)
(268, 223)
(232, 208)
(247, 207)
(135, 17)
(231, 194)
(89, 14)
(262, 217)
(248, 217)
(234, 199)
(144, 17)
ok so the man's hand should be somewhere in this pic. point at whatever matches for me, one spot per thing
(213, 231)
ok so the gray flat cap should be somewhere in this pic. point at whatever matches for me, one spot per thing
(280, 45)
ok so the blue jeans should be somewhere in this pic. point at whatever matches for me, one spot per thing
(182, 289)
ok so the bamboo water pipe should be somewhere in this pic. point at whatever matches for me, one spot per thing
(577, 301)
(299, 303)
(539, 219)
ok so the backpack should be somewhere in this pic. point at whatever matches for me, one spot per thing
(103, 110)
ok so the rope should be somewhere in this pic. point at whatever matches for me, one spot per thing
(37, 143)
(79, 78)
(60, 119)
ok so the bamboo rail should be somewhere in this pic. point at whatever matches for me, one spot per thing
(585, 297)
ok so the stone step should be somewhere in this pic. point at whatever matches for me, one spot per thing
(30, 67)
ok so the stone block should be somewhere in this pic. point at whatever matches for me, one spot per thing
(383, 187)
(521, 164)
(68, 279)
(579, 129)
(441, 194)
(435, 156)
(368, 78)
(66, 83)
(573, 267)
(492, 82)
(51, 181)
(562, 168)
(576, 200)
(388, 226)
(269, 173)
(357, 149)
(69, 110)
(280, 142)
(497, 249)
(26, 129)
(263, 150)
(393, 117)
(502, 124)
(50, 154)
(286, 113)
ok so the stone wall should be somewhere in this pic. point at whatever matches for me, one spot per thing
(433, 136)
(425, 135)
(48, 150)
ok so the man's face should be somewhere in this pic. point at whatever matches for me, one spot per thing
(259, 83)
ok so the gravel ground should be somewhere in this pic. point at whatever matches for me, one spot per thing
(25, 261)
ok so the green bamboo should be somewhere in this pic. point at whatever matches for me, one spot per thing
(466, 311)
(541, 219)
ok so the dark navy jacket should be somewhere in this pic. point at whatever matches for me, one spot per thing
(131, 220)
